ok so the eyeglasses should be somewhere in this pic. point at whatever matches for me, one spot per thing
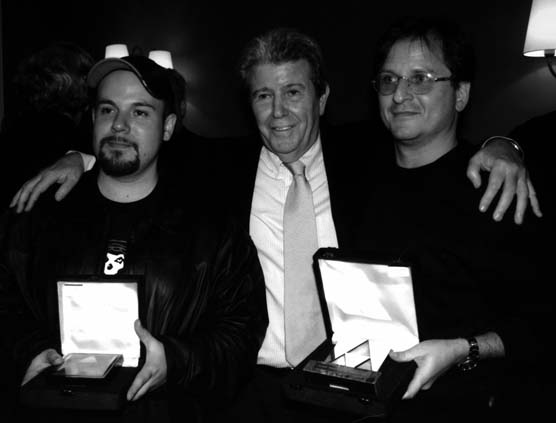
(386, 83)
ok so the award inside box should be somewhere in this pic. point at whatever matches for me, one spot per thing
(368, 310)
(100, 348)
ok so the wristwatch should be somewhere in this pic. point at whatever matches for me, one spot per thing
(472, 358)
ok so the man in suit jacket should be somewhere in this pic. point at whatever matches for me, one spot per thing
(284, 77)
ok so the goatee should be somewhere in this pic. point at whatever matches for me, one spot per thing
(113, 161)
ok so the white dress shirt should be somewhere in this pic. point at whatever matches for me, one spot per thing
(272, 182)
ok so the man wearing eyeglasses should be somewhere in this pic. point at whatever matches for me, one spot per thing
(474, 306)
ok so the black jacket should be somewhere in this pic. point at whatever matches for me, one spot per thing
(204, 288)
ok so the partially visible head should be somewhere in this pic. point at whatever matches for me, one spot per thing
(443, 37)
(283, 71)
(53, 80)
(417, 111)
(134, 112)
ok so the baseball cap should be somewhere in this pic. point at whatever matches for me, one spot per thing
(154, 77)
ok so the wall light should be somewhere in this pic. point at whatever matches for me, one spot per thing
(541, 32)
(116, 50)
(162, 57)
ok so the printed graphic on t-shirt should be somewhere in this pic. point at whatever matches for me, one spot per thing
(115, 256)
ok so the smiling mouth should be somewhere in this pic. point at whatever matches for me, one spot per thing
(404, 114)
(281, 128)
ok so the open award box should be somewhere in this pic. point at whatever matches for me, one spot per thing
(368, 309)
(101, 351)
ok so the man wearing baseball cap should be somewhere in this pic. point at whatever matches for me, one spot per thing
(205, 311)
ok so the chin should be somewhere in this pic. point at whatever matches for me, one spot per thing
(282, 145)
(403, 131)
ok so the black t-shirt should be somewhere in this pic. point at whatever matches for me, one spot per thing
(122, 218)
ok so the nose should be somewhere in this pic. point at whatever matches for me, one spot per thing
(402, 92)
(278, 108)
(120, 123)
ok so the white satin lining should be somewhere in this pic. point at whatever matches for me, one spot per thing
(97, 317)
(369, 302)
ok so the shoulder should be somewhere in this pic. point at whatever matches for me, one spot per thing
(357, 141)
(182, 209)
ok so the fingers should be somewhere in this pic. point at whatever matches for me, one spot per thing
(506, 198)
(533, 199)
(15, 200)
(42, 361)
(515, 183)
(141, 384)
(474, 171)
(66, 171)
(494, 184)
(38, 189)
(153, 373)
(415, 385)
(522, 195)
(20, 198)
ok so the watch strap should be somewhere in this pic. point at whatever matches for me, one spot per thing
(472, 358)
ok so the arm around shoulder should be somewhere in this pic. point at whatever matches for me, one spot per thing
(66, 171)
(502, 157)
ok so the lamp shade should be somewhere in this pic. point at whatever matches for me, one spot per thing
(162, 57)
(541, 30)
(116, 50)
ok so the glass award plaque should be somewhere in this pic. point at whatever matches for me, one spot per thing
(368, 309)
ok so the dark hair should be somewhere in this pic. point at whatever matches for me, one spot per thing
(440, 35)
(282, 45)
(179, 87)
(53, 79)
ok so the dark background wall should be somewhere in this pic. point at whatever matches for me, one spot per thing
(205, 38)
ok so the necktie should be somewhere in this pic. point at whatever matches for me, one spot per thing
(304, 325)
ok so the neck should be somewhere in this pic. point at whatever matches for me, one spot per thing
(296, 155)
(128, 189)
(412, 154)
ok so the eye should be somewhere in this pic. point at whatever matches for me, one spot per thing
(420, 78)
(293, 92)
(104, 109)
(141, 113)
(387, 78)
(261, 96)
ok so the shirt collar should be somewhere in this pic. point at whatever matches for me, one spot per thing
(311, 159)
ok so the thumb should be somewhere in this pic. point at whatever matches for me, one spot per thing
(64, 189)
(141, 332)
(474, 173)
(400, 356)
(53, 357)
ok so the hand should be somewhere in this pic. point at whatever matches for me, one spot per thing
(506, 168)
(66, 171)
(433, 358)
(153, 373)
(42, 361)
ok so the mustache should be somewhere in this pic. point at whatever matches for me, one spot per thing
(115, 138)
(118, 139)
